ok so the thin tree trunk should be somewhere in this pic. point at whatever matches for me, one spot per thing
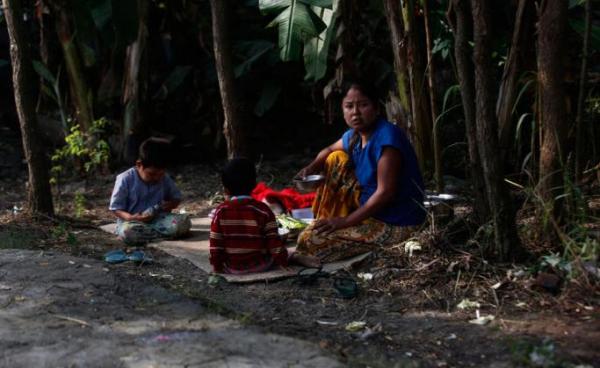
(579, 140)
(81, 93)
(416, 74)
(437, 149)
(135, 86)
(505, 233)
(39, 194)
(232, 126)
(465, 73)
(507, 94)
(552, 27)
(349, 22)
(393, 13)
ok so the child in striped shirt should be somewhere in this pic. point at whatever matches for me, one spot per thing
(243, 232)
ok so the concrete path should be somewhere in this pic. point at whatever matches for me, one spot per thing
(58, 310)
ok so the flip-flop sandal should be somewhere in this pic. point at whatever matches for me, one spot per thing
(346, 287)
(139, 256)
(115, 256)
(309, 275)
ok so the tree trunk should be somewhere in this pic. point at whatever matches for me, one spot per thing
(465, 73)
(505, 233)
(579, 140)
(507, 94)
(437, 149)
(39, 194)
(349, 10)
(81, 94)
(416, 72)
(393, 14)
(135, 86)
(232, 126)
(552, 26)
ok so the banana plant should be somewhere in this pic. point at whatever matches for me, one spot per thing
(298, 22)
(316, 50)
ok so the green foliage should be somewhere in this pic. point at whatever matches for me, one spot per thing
(270, 92)
(84, 152)
(442, 46)
(173, 81)
(61, 232)
(17, 239)
(527, 354)
(576, 243)
(579, 26)
(555, 261)
(296, 22)
(250, 52)
(53, 92)
(79, 204)
(316, 50)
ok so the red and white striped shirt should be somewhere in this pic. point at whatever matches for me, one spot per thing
(244, 238)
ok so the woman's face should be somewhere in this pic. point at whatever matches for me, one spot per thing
(360, 112)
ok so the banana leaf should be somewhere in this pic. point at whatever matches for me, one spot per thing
(268, 96)
(296, 22)
(579, 27)
(250, 52)
(125, 19)
(316, 50)
(173, 81)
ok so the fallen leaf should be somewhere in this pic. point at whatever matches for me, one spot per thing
(467, 304)
(482, 320)
(355, 326)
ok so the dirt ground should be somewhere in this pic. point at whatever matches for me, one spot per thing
(62, 304)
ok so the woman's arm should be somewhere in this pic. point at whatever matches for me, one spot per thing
(388, 168)
(319, 162)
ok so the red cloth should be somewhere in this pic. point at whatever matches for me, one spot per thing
(288, 197)
(243, 237)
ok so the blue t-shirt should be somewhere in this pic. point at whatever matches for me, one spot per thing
(134, 195)
(406, 208)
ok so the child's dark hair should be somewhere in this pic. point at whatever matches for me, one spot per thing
(239, 176)
(155, 152)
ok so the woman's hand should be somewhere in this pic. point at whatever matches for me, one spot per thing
(319, 161)
(327, 226)
(303, 173)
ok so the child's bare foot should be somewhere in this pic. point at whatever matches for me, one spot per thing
(306, 261)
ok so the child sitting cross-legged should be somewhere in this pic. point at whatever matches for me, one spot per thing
(243, 232)
(144, 196)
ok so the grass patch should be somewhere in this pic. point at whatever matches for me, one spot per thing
(17, 239)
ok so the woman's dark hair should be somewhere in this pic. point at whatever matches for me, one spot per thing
(155, 152)
(368, 89)
(239, 176)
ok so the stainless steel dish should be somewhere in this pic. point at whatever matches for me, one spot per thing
(309, 183)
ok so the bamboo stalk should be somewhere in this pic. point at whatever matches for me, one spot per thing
(437, 149)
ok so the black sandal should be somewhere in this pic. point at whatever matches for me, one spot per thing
(346, 287)
(309, 275)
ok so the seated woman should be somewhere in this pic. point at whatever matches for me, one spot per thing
(373, 191)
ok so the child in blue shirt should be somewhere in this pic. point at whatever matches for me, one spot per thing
(144, 196)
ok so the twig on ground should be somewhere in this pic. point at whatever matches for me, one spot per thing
(67, 318)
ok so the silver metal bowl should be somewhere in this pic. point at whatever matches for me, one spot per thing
(309, 183)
